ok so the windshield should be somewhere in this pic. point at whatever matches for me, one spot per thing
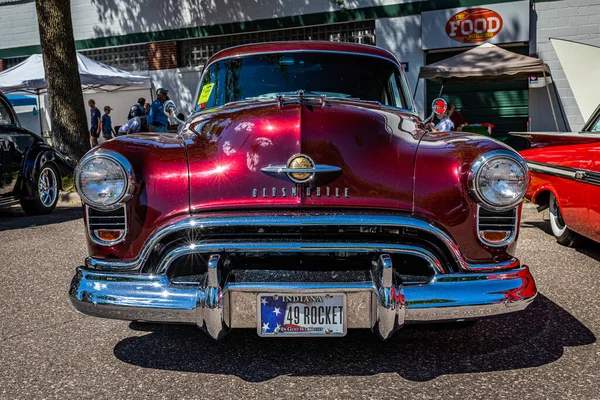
(264, 76)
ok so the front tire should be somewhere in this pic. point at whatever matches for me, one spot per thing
(45, 196)
(561, 232)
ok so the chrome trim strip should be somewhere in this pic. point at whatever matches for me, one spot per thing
(578, 175)
(315, 168)
(276, 169)
(297, 247)
(276, 220)
(476, 169)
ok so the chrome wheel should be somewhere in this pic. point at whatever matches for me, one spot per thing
(47, 187)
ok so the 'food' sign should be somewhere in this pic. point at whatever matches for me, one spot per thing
(474, 25)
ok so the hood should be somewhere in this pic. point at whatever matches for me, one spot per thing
(233, 150)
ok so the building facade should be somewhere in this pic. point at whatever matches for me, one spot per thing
(172, 40)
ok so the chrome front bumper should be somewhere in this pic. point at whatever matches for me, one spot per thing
(382, 305)
(376, 297)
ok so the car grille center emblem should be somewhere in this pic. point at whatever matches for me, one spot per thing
(300, 162)
(300, 168)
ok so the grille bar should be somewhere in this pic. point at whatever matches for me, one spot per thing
(106, 220)
(505, 221)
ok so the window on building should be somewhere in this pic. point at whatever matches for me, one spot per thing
(11, 62)
(128, 58)
(196, 52)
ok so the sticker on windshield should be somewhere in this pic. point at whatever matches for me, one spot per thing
(205, 94)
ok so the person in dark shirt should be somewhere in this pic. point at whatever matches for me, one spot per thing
(138, 109)
(94, 123)
(157, 119)
(457, 118)
(107, 124)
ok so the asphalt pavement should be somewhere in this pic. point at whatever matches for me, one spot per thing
(49, 350)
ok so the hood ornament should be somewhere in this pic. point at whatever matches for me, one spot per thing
(300, 168)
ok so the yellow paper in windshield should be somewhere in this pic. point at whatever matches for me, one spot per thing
(205, 94)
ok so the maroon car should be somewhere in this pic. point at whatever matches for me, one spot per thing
(304, 196)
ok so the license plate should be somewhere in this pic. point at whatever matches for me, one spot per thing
(301, 315)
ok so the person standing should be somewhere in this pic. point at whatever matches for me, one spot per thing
(107, 124)
(137, 110)
(94, 123)
(157, 119)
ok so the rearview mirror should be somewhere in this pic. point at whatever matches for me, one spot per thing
(438, 106)
(170, 108)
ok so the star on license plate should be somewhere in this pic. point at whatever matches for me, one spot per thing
(301, 315)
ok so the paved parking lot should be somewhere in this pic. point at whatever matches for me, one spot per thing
(48, 350)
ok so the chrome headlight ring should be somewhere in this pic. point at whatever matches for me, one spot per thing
(475, 174)
(128, 177)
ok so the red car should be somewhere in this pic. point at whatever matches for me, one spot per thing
(566, 179)
(304, 196)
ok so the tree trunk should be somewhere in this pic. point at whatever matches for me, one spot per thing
(67, 110)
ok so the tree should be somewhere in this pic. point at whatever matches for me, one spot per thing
(67, 110)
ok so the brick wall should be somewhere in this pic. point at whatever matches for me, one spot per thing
(2, 65)
(162, 55)
(577, 20)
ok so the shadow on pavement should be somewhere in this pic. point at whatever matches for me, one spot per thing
(15, 218)
(586, 246)
(534, 337)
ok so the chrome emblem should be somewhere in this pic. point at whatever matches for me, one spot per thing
(300, 162)
(300, 168)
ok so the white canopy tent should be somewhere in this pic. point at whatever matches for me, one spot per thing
(29, 76)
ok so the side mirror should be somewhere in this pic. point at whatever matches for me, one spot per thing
(439, 106)
(171, 109)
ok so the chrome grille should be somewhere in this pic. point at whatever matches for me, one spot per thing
(497, 221)
(106, 220)
(494, 221)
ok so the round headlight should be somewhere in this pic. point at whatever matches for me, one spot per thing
(102, 181)
(499, 179)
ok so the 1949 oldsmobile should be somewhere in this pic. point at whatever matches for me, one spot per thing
(304, 196)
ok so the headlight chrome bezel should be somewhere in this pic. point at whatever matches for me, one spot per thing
(476, 168)
(125, 166)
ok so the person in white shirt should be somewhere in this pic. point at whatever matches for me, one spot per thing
(445, 124)
(134, 125)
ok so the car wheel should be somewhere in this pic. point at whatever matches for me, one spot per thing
(46, 195)
(561, 232)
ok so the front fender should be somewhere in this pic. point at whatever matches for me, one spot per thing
(37, 155)
(441, 192)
